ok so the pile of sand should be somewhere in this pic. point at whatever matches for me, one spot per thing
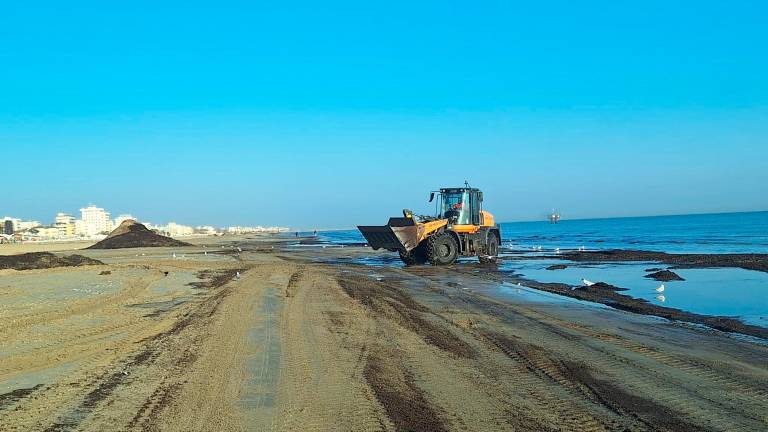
(44, 260)
(131, 234)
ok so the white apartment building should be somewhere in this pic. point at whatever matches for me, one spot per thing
(175, 230)
(64, 219)
(25, 225)
(95, 220)
(65, 223)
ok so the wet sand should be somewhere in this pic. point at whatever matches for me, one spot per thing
(305, 339)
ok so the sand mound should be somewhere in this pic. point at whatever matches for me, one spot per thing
(131, 234)
(44, 260)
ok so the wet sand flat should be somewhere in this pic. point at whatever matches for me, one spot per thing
(305, 339)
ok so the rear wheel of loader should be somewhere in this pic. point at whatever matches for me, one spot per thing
(443, 249)
(491, 250)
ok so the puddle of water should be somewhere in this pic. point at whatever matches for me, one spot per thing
(730, 292)
(521, 292)
(379, 261)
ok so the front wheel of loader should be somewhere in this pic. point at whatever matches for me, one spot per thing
(416, 256)
(491, 250)
(443, 249)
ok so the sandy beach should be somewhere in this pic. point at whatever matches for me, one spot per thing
(309, 339)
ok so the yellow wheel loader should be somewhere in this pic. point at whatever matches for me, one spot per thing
(460, 227)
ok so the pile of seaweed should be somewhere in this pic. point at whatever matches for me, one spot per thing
(131, 234)
(748, 261)
(44, 260)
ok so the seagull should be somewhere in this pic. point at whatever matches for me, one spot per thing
(661, 298)
(586, 282)
(660, 289)
(174, 254)
(237, 275)
(557, 250)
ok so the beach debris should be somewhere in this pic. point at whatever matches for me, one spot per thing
(105, 272)
(599, 287)
(586, 282)
(131, 234)
(44, 260)
(660, 288)
(664, 276)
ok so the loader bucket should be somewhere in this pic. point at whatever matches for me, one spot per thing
(399, 234)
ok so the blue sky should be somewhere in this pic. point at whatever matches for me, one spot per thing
(334, 114)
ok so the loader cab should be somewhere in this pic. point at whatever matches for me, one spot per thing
(461, 206)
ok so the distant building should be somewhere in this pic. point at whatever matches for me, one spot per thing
(27, 225)
(206, 230)
(176, 230)
(65, 223)
(95, 220)
(80, 230)
(43, 233)
(64, 218)
(8, 227)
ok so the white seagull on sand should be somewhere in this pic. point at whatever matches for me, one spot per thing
(660, 289)
(586, 282)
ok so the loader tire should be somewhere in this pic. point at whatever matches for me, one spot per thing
(442, 249)
(491, 250)
(416, 256)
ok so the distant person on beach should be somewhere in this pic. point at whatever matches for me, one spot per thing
(297, 233)
(314, 233)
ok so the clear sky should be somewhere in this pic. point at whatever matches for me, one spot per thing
(332, 114)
